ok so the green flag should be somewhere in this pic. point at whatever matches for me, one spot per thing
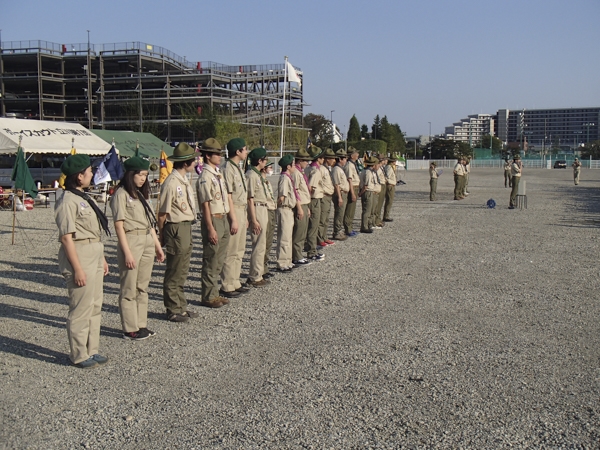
(22, 176)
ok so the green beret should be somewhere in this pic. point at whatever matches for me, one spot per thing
(234, 145)
(136, 163)
(75, 164)
(256, 155)
(286, 161)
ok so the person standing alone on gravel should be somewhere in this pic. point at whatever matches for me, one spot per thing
(81, 261)
(137, 245)
(576, 170)
(515, 176)
(433, 178)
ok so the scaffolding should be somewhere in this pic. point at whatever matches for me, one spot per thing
(138, 86)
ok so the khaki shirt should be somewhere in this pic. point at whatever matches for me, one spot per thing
(390, 174)
(368, 179)
(271, 205)
(75, 215)
(433, 173)
(328, 188)
(210, 187)
(177, 199)
(459, 169)
(507, 166)
(315, 180)
(301, 186)
(352, 173)
(285, 189)
(339, 178)
(576, 166)
(515, 170)
(256, 190)
(130, 210)
(380, 176)
(235, 183)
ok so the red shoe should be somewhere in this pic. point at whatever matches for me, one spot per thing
(330, 242)
(323, 244)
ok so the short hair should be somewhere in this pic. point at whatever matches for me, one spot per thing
(183, 164)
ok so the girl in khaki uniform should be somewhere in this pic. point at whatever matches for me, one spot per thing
(134, 223)
(272, 210)
(287, 197)
(81, 261)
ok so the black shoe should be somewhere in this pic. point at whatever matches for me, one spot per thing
(177, 318)
(301, 262)
(150, 332)
(268, 275)
(511, 207)
(231, 294)
(243, 289)
(366, 231)
(136, 335)
(388, 220)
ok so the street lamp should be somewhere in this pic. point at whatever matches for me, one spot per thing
(587, 125)
(332, 127)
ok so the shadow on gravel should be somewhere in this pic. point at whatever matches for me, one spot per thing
(37, 296)
(28, 350)
(585, 209)
(44, 274)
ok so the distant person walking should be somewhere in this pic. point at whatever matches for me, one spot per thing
(515, 173)
(576, 170)
(433, 179)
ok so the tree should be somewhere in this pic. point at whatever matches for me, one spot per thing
(448, 148)
(485, 142)
(354, 129)
(591, 149)
(376, 128)
(364, 131)
(320, 128)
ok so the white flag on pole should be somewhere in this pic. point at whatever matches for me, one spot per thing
(292, 74)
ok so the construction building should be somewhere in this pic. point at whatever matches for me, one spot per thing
(140, 87)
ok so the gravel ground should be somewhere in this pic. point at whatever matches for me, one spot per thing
(456, 326)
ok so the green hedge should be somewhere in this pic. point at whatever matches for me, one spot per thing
(368, 145)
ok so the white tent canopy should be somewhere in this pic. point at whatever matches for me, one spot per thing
(44, 136)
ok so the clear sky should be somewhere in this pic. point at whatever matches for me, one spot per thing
(416, 61)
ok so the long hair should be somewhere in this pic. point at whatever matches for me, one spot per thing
(127, 183)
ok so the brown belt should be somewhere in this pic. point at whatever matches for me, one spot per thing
(259, 204)
(87, 241)
(286, 206)
(218, 216)
(138, 232)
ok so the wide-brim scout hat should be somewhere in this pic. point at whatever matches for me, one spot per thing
(382, 157)
(517, 157)
(433, 163)
(315, 152)
(341, 154)
(211, 145)
(182, 152)
(391, 159)
(328, 154)
(302, 155)
(370, 161)
(352, 150)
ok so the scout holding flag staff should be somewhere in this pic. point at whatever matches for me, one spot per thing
(81, 261)
(175, 217)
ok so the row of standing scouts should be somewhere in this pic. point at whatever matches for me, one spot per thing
(230, 201)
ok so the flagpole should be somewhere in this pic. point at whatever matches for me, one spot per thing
(283, 109)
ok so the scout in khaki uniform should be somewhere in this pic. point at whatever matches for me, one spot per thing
(287, 197)
(459, 176)
(138, 244)
(302, 212)
(328, 190)
(467, 164)
(381, 194)
(340, 196)
(235, 182)
(258, 216)
(379, 183)
(352, 174)
(272, 211)
(576, 170)
(507, 180)
(433, 178)
(176, 214)
(367, 192)
(389, 171)
(81, 261)
(515, 174)
(216, 207)
(315, 184)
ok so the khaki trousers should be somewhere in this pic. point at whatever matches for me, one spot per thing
(133, 297)
(432, 188)
(285, 231)
(390, 192)
(515, 190)
(324, 221)
(236, 247)
(85, 302)
(213, 256)
(313, 226)
(178, 243)
(270, 237)
(507, 179)
(350, 211)
(379, 204)
(339, 213)
(457, 186)
(299, 234)
(259, 245)
(576, 176)
(367, 208)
